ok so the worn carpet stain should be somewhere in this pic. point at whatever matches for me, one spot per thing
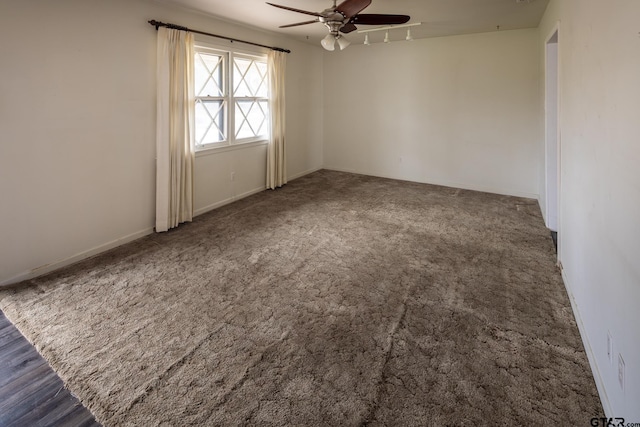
(338, 299)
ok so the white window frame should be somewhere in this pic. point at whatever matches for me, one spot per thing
(228, 98)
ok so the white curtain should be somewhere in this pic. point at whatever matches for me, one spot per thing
(174, 128)
(276, 154)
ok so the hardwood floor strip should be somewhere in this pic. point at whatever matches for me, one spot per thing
(79, 417)
(26, 401)
(7, 329)
(12, 373)
(31, 393)
(9, 339)
(57, 410)
(29, 388)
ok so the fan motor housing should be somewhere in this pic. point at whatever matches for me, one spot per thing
(333, 20)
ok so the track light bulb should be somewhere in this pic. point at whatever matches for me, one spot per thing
(409, 37)
(386, 36)
(329, 42)
(366, 39)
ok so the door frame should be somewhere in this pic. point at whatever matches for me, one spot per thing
(552, 129)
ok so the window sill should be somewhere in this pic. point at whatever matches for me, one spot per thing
(223, 148)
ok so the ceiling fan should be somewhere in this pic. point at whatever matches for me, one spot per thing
(343, 18)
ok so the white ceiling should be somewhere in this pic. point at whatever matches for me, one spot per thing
(438, 17)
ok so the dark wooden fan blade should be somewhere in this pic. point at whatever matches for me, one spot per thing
(347, 28)
(379, 19)
(295, 10)
(351, 8)
(299, 23)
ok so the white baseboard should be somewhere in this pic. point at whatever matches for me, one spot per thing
(602, 392)
(221, 203)
(47, 268)
(447, 184)
(232, 199)
(301, 174)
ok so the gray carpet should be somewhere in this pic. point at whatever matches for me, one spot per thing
(339, 299)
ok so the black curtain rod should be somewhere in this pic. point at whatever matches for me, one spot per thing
(159, 24)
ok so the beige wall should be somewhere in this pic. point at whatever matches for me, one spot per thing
(77, 127)
(459, 111)
(599, 226)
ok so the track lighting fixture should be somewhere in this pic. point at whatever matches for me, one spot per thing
(329, 41)
(386, 30)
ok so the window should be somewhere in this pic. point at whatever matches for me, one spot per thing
(231, 98)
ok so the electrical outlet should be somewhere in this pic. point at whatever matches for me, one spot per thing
(621, 371)
(233, 176)
(610, 347)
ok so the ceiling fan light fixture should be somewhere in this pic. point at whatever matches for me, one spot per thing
(329, 42)
(342, 19)
(343, 42)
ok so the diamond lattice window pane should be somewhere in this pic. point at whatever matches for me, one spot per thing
(209, 122)
(251, 119)
(263, 129)
(262, 89)
(250, 78)
(208, 74)
(240, 69)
